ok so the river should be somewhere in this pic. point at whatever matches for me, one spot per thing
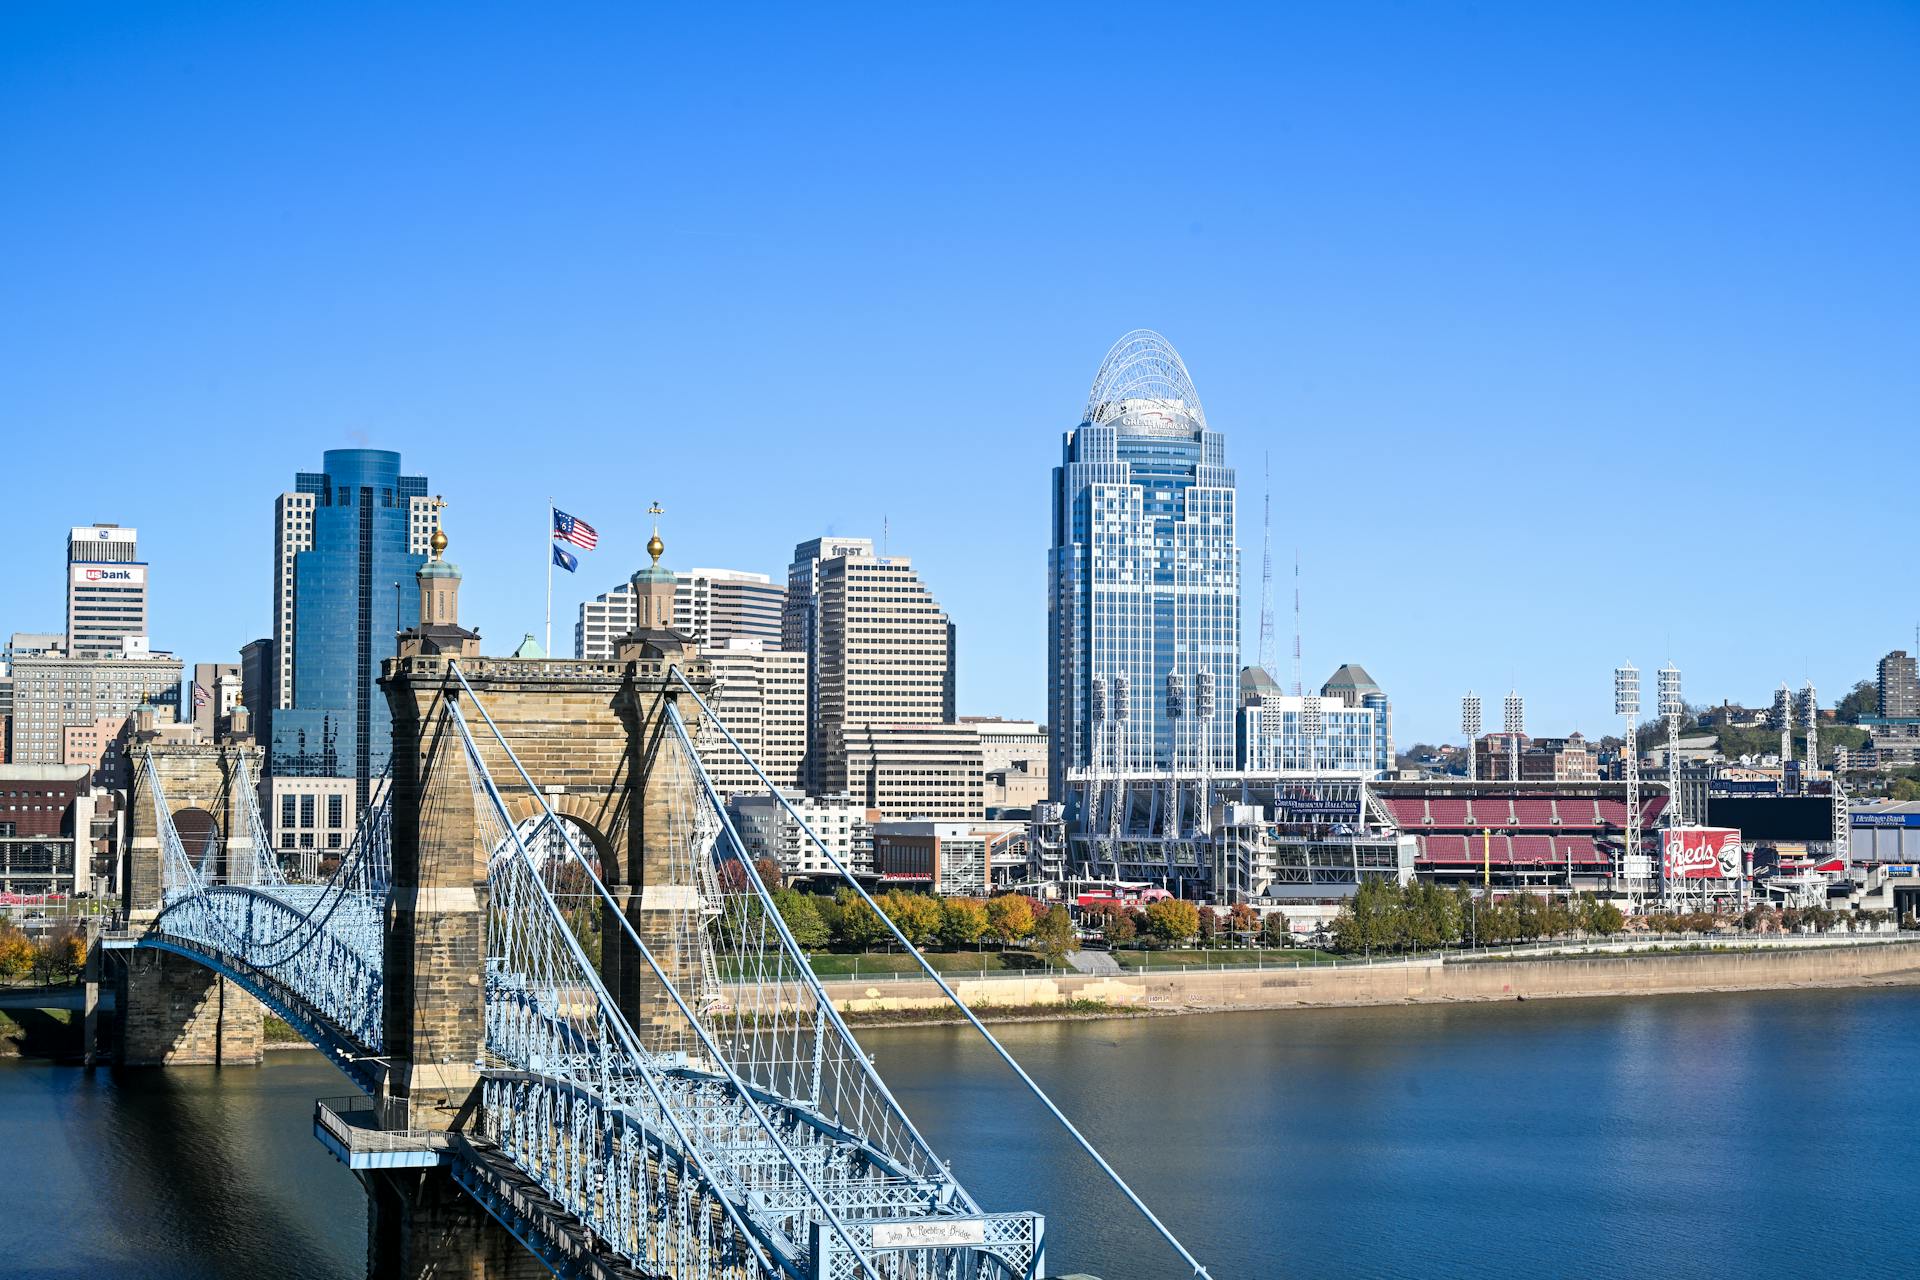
(1759, 1135)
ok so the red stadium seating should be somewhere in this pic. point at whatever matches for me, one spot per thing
(1449, 814)
(1492, 811)
(1533, 812)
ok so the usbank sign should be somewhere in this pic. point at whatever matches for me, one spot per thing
(109, 575)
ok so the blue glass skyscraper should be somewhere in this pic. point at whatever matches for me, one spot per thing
(349, 533)
(1143, 607)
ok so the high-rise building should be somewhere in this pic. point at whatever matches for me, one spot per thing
(346, 539)
(880, 655)
(53, 690)
(214, 693)
(1899, 681)
(920, 769)
(799, 621)
(106, 589)
(760, 695)
(1143, 604)
(256, 685)
(711, 607)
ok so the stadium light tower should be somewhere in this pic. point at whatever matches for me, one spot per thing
(1513, 720)
(1783, 717)
(1310, 728)
(1672, 708)
(1810, 715)
(1626, 705)
(1470, 726)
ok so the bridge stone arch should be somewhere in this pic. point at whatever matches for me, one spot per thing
(204, 776)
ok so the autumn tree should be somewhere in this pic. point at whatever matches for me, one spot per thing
(857, 925)
(1011, 917)
(1173, 920)
(16, 954)
(1243, 919)
(963, 921)
(1053, 934)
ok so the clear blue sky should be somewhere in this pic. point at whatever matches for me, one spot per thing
(1577, 334)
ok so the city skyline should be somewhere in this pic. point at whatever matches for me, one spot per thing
(1600, 326)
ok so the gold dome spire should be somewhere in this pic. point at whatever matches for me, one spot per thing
(655, 547)
(439, 539)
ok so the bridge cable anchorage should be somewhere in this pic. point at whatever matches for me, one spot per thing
(1112, 1174)
(617, 1023)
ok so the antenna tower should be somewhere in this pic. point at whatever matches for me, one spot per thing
(1296, 622)
(1266, 572)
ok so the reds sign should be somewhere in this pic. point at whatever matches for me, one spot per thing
(1701, 853)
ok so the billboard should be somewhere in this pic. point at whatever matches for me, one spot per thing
(1701, 853)
(108, 575)
(96, 533)
(1760, 818)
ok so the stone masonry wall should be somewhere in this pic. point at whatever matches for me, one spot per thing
(176, 1012)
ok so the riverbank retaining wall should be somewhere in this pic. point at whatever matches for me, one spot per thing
(1408, 983)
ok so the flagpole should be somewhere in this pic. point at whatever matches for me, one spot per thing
(550, 511)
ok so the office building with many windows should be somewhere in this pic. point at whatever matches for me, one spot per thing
(760, 695)
(711, 607)
(106, 590)
(881, 655)
(53, 691)
(1143, 606)
(348, 540)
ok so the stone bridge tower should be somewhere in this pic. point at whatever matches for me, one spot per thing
(171, 1010)
(590, 735)
(594, 738)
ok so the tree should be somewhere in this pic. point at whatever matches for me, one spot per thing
(1243, 920)
(1372, 920)
(16, 954)
(1608, 920)
(1053, 935)
(1011, 917)
(917, 915)
(1274, 930)
(802, 918)
(769, 871)
(1862, 700)
(1209, 922)
(963, 921)
(858, 926)
(1173, 920)
(1120, 929)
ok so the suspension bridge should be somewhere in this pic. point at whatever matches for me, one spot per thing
(587, 1043)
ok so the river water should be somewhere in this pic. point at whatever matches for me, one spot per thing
(1761, 1135)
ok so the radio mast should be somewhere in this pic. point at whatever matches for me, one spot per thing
(1266, 570)
(1296, 622)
